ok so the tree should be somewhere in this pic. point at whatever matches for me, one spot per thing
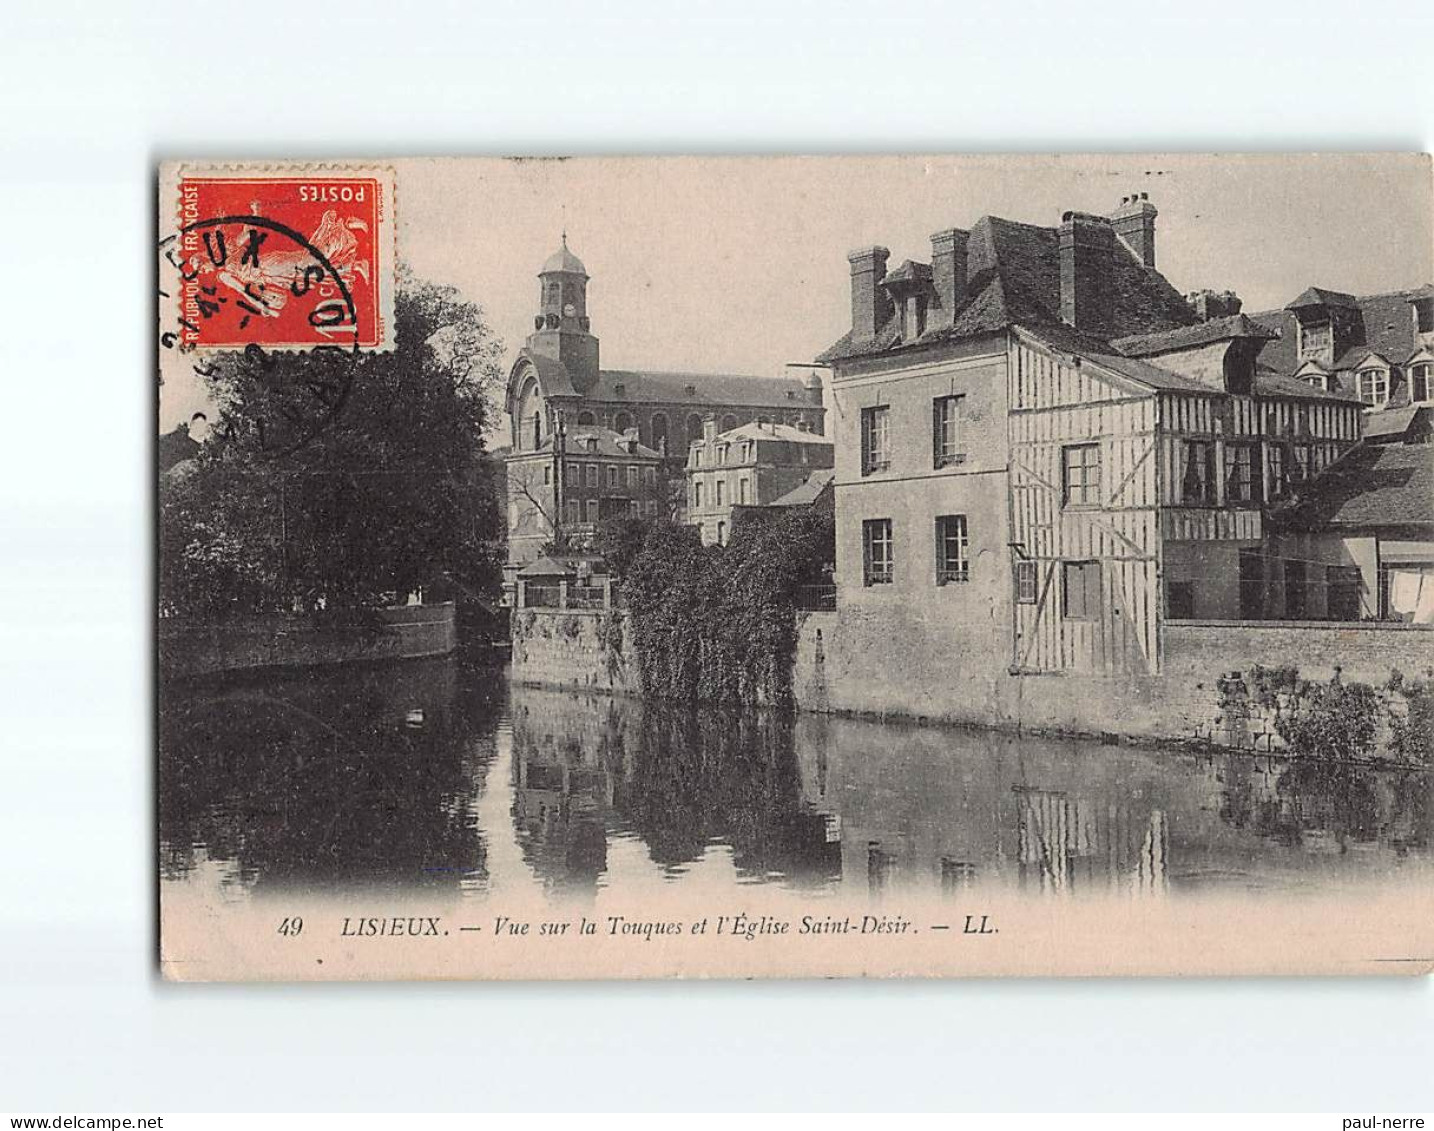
(340, 479)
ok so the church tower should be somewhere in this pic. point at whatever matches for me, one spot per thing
(561, 328)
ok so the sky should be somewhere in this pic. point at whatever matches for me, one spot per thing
(738, 265)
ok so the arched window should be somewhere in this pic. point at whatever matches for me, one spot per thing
(622, 423)
(587, 419)
(537, 429)
(694, 428)
(552, 294)
(729, 422)
(659, 431)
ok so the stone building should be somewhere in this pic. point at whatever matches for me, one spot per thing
(1047, 452)
(573, 480)
(750, 466)
(557, 381)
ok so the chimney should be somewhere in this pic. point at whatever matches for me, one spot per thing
(709, 429)
(870, 305)
(1134, 223)
(1209, 305)
(1086, 243)
(948, 274)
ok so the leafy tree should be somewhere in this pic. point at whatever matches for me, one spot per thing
(340, 479)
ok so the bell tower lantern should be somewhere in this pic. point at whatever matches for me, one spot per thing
(561, 329)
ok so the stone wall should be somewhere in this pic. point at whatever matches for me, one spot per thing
(188, 647)
(583, 648)
(859, 662)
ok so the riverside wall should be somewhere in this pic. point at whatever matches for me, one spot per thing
(189, 647)
(851, 662)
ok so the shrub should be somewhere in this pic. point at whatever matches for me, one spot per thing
(1334, 720)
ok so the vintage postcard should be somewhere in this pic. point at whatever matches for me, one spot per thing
(795, 567)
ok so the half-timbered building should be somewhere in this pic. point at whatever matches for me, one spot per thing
(1044, 451)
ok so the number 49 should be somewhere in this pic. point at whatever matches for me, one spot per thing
(292, 925)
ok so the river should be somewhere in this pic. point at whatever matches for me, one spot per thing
(431, 777)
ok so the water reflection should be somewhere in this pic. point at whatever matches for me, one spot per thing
(430, 776)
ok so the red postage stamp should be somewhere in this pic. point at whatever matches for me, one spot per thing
(283, 257)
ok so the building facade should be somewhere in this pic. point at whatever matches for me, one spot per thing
(1046, 451)
(557, 382)
(750, 466)
(572, 481)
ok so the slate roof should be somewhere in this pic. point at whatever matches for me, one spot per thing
(717, 389)
(607, 444)
(1318, 296)
(755, 431)
(1375, 485)
(805, 494)
(1389, 423)
(1388, 329)
(1013, 278)
(1187, 337)
(564, 260)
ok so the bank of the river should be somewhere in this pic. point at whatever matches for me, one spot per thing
(1214, 691)
(189, 647)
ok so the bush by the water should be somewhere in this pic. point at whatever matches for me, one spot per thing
(718, 623)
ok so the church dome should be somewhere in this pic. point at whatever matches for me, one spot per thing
(564, 260)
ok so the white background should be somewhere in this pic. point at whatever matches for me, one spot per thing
(94, 95)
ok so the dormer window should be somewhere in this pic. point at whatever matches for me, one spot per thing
(1318, 381)
(1421, 383)
(1316, 341)
(1374, 387)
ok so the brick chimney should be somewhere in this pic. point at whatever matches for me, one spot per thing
(1134, 223)
(948, 275)
(870, 304)
(1209, 305)
(1086, 245)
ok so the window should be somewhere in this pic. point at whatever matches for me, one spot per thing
(696, 457)
(1318, 381)
(1081, 475)
(1197, 478)
(742, 491)
(547, 475)
(612, 475)
(1180, 600)
(1082, 590)
(875, 439)
(592, 474)
(746, 450)
(722, 453)
(586, 420)
(952, 560)
(649, 476)
(659, 432)
(720, 500)
(573, 510)
(1342, 600)
(632, 475)
(877, 551)
(1419, 382)
(697, 495)
(622, 423)
(1277, 459)
(945, 431)
(1374, 387)
(652, 506)
(592, 506)
(1424, 315)
(1300, 469)
(1242, 480)
(1296, 593)
(1316, 340)
(721, 534)
(1025, 583)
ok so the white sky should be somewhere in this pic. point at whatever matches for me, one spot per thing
(739, 264)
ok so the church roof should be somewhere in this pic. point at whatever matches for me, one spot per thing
(697, 389)
(564, 260)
